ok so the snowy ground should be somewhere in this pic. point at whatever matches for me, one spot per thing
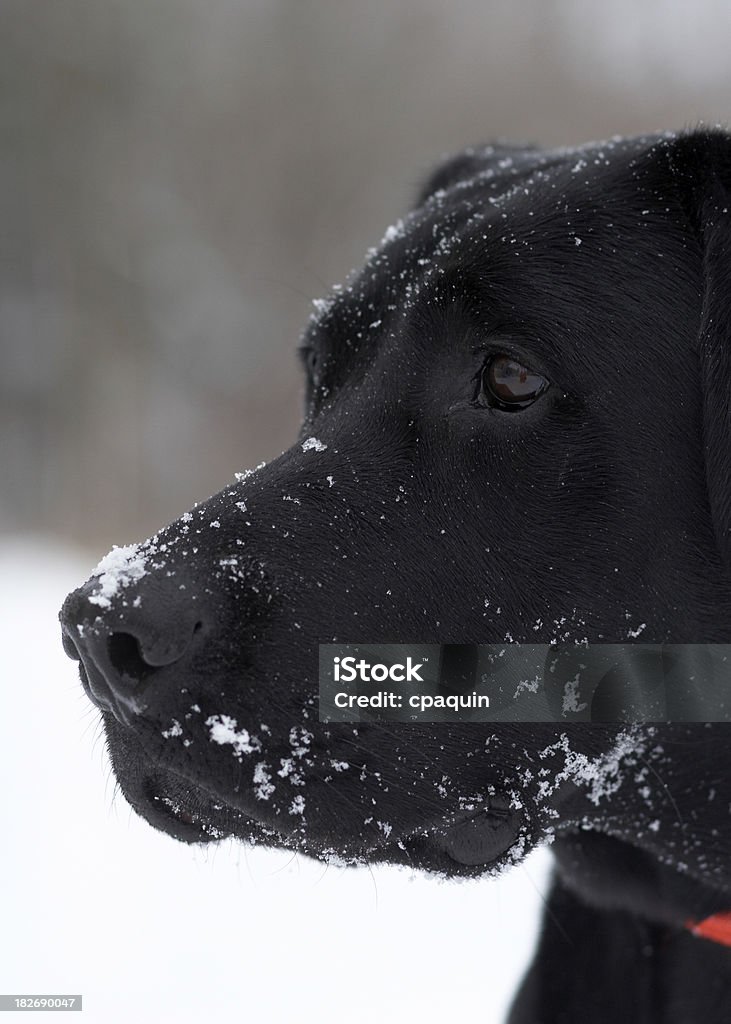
(96, 902)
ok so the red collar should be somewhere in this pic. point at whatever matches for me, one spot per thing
(717, 927)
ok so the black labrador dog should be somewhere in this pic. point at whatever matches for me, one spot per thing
(518, 428)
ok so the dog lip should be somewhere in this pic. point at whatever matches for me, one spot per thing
(480, 837)
(197, 828)
(171, 798)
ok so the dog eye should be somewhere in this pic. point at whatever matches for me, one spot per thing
(509, 385)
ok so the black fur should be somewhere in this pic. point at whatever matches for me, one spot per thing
(421, 512)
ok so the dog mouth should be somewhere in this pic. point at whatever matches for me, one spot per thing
(179, 796)
(467, 843)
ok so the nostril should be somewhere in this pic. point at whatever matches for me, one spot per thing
(137, 656)
(126, 656)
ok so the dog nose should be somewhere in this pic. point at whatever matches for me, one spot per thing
(123, 652)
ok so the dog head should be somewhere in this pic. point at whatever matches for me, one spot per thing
(516, 428)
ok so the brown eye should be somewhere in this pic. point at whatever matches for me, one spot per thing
(509, 385)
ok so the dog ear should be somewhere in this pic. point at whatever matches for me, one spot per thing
(496, 156)
(700, 163)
